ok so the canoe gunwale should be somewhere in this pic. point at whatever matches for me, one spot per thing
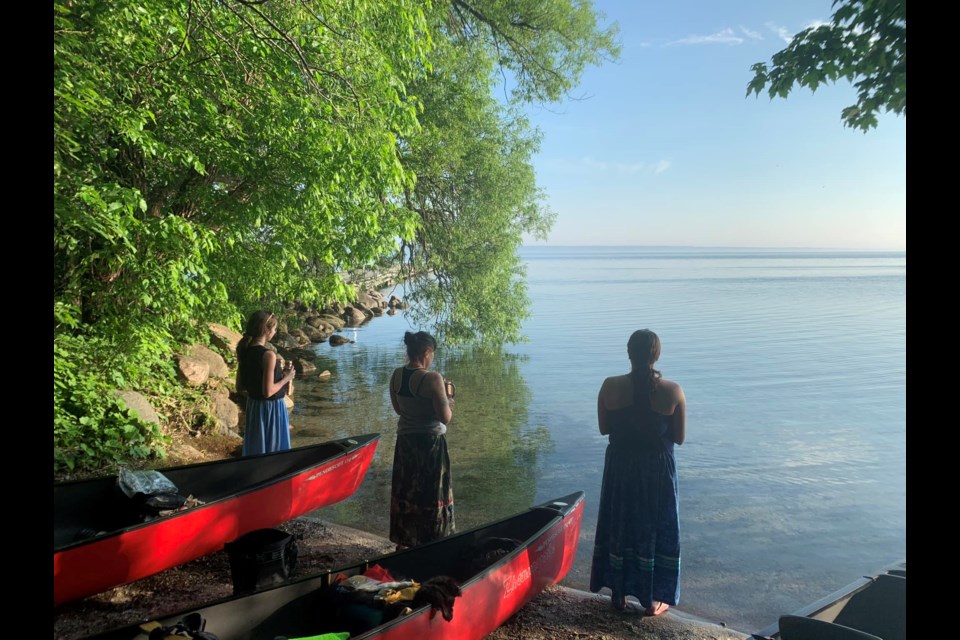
(837, 599)
(320, 475)
(362, 441)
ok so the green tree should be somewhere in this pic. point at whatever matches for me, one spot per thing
(214, 156)
(865, 43)
(476, 193)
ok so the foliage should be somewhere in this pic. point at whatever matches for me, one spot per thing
(476, 195)
(215, 157)
(476, 192)
(866, 43)
(92, 428)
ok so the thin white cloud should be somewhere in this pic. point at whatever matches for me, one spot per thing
(623, 168)
(781, 32)
(751, 34)
(724, 36)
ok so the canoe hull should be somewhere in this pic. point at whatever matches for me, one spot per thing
(135, 553)
(870, 607)
(493, 598)
(548, 534)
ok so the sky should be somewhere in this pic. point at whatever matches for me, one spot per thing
(662, 146)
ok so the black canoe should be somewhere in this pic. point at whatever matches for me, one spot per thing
(871, 608)
(98, 543)
(542, 543)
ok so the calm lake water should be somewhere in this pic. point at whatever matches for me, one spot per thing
(793, 475)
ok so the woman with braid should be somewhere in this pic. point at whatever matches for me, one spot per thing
(421, 503)
(637, 547)
(266, 382)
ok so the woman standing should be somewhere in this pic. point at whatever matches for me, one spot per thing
(637, 548)
(266, 383)
(421, 504)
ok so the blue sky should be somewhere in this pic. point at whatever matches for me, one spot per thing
(663, 147)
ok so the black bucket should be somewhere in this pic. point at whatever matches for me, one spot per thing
(261, 558)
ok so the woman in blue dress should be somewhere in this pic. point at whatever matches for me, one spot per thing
(637, 547)
(259, 373)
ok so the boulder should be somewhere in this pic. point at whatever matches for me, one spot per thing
(224, 411)
(324, 375)
(137, 403)
(304, 367)
(300, 336)
(285, 340)
(215, 362)
(224, 337)
(367, 311)
(334, 321)
(193, 371)
(370, 299)
(337, 339)
(354, 316)
(315, 334)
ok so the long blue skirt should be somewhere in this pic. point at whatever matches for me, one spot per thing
(637, 546)
(267, 426)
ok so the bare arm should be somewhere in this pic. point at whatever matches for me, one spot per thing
(269, 363)
(678, 425)
(437, 390)
(602, 411)
(394, 385)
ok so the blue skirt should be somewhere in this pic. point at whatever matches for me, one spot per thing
(637, 546)
(267, 426)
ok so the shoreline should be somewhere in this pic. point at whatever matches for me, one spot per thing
(557, 612)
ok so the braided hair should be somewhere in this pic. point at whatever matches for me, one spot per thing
(643, 349)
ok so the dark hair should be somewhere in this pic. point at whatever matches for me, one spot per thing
(643, 349)
(258, 324)
(418, 343)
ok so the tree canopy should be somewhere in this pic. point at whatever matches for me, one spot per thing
(214, 157)
(865, 43)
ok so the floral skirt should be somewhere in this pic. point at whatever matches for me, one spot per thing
(421, 502)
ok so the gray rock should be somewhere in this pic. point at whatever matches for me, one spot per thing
(215, 362)
(354, 317)
(224, 410)
(193, 371)
(137, 403)
(304, 367)
(224, 337)
(334, 321)
(337, 339)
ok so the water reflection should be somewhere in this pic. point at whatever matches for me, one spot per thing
(495, 455)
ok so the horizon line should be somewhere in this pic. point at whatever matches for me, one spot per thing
(692, 246)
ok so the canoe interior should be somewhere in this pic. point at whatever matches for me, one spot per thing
(871, 606)
(98, 504)
(303, 608)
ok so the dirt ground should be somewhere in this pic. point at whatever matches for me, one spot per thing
(556, 614)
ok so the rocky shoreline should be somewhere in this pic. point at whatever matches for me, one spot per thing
(211, 370)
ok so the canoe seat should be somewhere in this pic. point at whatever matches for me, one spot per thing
(880, 609)
(800, 628)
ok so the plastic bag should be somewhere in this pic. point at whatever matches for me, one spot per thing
(147, 483)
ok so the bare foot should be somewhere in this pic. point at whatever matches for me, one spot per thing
(658, 608)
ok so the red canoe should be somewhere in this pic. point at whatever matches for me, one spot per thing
(543, 539)
(98, 544)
